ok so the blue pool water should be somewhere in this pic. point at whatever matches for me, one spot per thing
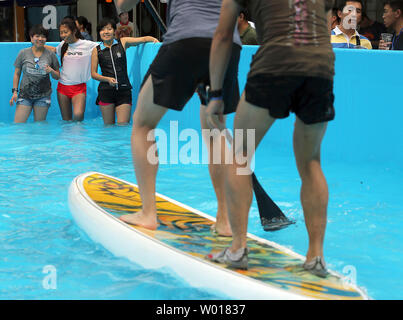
(39, 161)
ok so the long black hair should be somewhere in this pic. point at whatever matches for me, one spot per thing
(85, 23)
(71, 25)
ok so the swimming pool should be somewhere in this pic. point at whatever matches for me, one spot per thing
(36, 226)
(40, 160)
(362, 159)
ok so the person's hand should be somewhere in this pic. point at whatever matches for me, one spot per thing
(112, 82)
(13, 98)
(152, 39)
(48, 69)
(384, 45)
(215, 115)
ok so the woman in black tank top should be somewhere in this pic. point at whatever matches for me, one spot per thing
(114, 90)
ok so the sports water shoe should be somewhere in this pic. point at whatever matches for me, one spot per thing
(237, 260)
(316, 266)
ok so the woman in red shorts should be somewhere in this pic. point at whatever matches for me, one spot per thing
(75, 56)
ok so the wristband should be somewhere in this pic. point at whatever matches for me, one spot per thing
(214, 95)
(14, 90)
(216, 98)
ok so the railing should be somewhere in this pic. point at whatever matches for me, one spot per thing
(157, 18)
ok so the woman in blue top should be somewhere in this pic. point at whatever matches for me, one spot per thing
(114, 90)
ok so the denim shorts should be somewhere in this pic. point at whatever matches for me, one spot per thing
(40, 102)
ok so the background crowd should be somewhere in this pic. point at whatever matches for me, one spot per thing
(350, 27)
(353, 29)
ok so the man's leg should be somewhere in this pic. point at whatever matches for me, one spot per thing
(217, 172)
(314, 191)
(145, 119)
(239, 191)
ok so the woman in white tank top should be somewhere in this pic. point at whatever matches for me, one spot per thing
(75, 56)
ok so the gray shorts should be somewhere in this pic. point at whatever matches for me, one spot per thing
(40, 102)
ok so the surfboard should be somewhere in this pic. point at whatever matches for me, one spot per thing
(183, 239)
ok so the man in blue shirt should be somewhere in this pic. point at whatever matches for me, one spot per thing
(393, 18)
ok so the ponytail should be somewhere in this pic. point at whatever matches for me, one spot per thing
(85, 23)
(89, 27)
(63, 51)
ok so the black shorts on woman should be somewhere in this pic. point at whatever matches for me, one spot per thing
(182, 67)
(113, 63)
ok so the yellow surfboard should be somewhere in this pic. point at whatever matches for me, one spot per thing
(183, 239)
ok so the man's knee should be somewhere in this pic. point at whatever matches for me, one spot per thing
(308, 139)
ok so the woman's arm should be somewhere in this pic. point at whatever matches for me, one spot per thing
(53, 49)
(128, 42)
(94, 70)
(55, 73)
(16, 81)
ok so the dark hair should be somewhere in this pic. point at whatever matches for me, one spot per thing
(395, 4)
(104, 22)
(334, 14)
(329, 4)
(340, 4)
(71, 25)
(245, 13)
(84, 22)
(39, 30)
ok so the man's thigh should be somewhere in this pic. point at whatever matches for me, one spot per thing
(147, 113)
(249, 116)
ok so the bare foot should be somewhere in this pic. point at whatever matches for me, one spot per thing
(221, 230)
(140, 219)
(222, 227)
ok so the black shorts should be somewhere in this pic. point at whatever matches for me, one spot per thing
(182, 67)
(310, 98)
(113, 96)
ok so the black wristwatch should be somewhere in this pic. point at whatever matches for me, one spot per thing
(217, 94)
(14, 90)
